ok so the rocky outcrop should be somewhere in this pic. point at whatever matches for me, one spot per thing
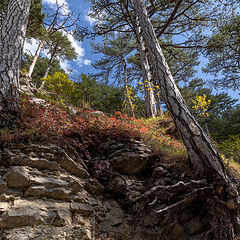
(48, 192)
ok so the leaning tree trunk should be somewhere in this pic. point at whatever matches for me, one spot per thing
(201, 151)
(49, 66)
(147, 76)
(35, 58)
(46, 73)
(12, 36)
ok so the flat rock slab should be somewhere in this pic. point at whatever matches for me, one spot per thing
(82, 208)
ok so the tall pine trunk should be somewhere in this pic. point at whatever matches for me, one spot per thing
(12, 36)
(147, 76)
(202, 153)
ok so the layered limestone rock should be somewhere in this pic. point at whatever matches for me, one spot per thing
(48, 192)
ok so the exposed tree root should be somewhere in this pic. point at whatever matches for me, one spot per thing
(177, 198)
(187, 199)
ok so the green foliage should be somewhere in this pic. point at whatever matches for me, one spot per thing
(227, 125)
(35, 22)
(59, 45)
(223, 53)
(84, 92)
(110, 98)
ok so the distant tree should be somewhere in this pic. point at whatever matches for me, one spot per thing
(231, 147)
(227, 125)
(86, 91)
(110, 98)
(40, 68)
(221, 108)
(36, 18)
(12, 36)
(115, 51)
(56, 20)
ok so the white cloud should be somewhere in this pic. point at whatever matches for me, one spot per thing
(77, 45)
(65, 66)
(80, 51)
(86, 62)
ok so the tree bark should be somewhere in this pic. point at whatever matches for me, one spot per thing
(12, 36)
(201, 151)
(35, 58)
(147, 76)
(2, 15)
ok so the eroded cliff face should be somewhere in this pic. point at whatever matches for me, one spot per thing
(48, 192)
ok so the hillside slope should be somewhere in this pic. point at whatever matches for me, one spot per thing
(79, 174)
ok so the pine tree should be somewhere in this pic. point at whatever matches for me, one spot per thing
(201, 151)
(59, 46)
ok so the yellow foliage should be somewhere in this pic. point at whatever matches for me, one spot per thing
(59, 84)
(133, 98)
(149, 87)
(201, 106)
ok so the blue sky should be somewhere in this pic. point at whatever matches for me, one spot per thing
(85, 56)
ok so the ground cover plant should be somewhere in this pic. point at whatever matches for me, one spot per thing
(52, 121)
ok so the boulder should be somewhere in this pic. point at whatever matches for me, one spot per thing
(130, 162)
(94, 187)
(17, 177)
(24, 216)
